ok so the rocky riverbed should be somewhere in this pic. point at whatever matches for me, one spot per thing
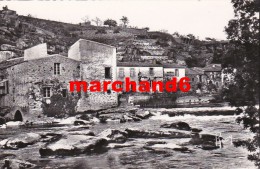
(148, 138)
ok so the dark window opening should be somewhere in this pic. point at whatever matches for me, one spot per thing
(79, 94)
(108, 72)
(108, 91)
(177, 72)
(151, 71)
(64, 92)
(121, 72)
(57, 68)
(4, 88)
(132, 72)
(46, 92)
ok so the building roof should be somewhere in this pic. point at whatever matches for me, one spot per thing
(154, 56)
(11, 62)
(191, 71)
(172, 65)
(138, 64)
(147, 64)
(212, 68)
(90, 41)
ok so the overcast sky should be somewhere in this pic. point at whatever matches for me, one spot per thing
(203, 18)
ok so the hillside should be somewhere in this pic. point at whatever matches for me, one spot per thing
(21, 32)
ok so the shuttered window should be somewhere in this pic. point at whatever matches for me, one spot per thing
(46, 92)
(57, 68)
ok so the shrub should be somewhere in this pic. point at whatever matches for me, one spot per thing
(60, 106)
(117, 30)
(101, 31)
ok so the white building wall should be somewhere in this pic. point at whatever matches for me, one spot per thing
(36, 52)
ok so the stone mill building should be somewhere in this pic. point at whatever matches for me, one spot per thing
(29, 81)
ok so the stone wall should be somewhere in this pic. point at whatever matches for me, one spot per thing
(26, 81)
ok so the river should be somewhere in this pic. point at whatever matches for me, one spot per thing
(136, 157)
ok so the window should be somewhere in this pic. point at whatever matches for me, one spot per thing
(177, 72)
(200, 78)
(151, 71)
(192, 79)
(46, 92)
(132, 72)
(119, 85)
(121, 72)
(108, 91)
(64, 92)
(108, 72)
(4, 87)
(57, 68)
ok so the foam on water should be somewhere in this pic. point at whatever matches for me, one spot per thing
(166, 117)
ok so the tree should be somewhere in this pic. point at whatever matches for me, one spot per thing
(97, 21)
(210, 39)
(191, 36)
(176, 34)
(5, 8)
(85, 19)
(243, 57)
(124, 20)
(147, 28)
(110, 23)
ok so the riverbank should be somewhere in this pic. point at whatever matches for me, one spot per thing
(153, 141)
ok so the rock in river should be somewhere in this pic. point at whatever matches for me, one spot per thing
(20, 141)
(2, 120)
(17, 164)
(178, 125)
(74, 145)
(143, 114)
(161, 147)
(114, 136)
(136, 133)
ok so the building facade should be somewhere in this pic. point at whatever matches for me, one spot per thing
(97, 63)
(30, 81)
(141, 71)
(213, 74)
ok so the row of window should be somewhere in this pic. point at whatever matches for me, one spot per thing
(151, 72)
(132, 72)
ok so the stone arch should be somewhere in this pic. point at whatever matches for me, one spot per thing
(18, 116)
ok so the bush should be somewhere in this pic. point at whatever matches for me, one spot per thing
(101, 31)
(60, 106)
(117, 30)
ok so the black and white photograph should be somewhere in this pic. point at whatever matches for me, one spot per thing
(130, 84)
